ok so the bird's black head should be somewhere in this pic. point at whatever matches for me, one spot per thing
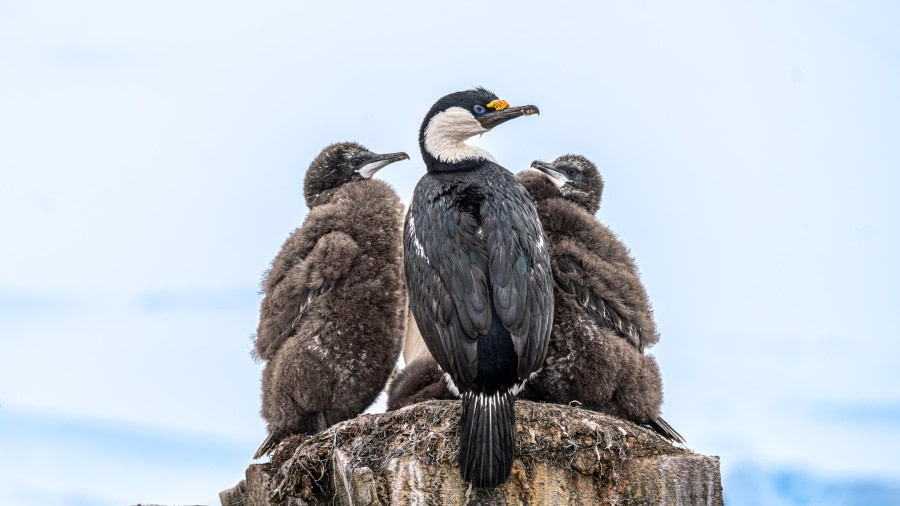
(339, 164)
(576, 179)
(457, 117)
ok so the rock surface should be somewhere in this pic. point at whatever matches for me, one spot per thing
(564, 455)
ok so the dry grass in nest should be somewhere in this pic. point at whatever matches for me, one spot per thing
(587, 442)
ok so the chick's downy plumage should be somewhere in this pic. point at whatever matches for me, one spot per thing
(603, 319)
(421, 380)
(333, 314)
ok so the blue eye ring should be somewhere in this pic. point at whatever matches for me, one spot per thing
(479, 109)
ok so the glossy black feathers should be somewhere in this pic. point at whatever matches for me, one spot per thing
(488, 438)
(460, 271)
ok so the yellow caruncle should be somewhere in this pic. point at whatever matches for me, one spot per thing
(498, 105)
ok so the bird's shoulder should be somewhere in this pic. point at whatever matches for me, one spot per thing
(442, 184)
(373, 188)
(360, 208)
(367, 195)
(560, 216)
(497, 178)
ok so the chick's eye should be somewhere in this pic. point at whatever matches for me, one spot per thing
(355, 162)
(479, 109)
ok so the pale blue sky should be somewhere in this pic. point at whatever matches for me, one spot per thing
(152, 157)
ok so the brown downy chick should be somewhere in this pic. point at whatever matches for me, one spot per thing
(334, 308)
(421, 380)
(603, 319)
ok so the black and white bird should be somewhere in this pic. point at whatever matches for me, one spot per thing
(478, 276)
(333, 314)
(603, 318)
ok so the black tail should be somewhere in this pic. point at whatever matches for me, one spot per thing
(487, 444)
(663, 428)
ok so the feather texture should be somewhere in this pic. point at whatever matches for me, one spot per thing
(473, 250)
(603, 320)
(488, 438)
(333, 313)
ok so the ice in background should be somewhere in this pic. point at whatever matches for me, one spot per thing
(152, 156)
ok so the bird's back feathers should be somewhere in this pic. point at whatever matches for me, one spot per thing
(474, 249)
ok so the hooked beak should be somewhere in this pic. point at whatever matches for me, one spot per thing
(556, 177)
(491, 119)
(378, 162)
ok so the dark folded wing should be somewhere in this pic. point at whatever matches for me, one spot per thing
(520, 273)
(446, 265)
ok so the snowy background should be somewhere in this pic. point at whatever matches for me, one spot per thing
(152, 156)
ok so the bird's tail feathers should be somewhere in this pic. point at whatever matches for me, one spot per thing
(267, 446)
(663, 428)
(488, 438)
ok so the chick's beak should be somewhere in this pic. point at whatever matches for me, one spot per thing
(491, 119)
(555, 176)
(378, 162)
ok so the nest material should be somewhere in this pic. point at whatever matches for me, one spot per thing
(589, 443)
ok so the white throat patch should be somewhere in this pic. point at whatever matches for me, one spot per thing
(446, 134)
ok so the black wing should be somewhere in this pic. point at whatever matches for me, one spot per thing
(450, 256)
(446, 266)
(520, 271)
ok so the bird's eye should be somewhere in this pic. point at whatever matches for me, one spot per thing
(356, 162)
(479, 109)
